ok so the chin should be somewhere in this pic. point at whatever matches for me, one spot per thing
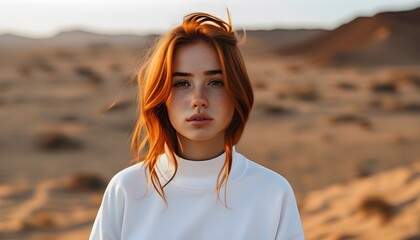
(204, 138)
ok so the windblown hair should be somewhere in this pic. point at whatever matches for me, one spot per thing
(153, 130)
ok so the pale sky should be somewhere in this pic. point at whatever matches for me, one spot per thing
(44, 18)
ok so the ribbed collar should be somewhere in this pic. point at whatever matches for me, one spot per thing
(200, 174)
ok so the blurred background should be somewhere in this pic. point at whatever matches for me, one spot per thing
(337, 110)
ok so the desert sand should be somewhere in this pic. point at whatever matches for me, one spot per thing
(346, 134)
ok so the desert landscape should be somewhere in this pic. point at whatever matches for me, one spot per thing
(337, 112)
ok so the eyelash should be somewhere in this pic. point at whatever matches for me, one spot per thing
(218, 83)
(181, 83)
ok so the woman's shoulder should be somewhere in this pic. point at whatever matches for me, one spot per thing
(264, 176)
(132, 176)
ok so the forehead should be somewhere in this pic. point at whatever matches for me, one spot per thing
(195, 57)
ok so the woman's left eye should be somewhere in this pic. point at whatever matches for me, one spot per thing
(180, 84)
(216, 83)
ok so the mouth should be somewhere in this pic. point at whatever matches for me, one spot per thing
(199, 120)
(199, 117)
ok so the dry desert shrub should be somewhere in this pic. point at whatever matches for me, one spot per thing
(413, 237)
(377, 206)
(351, 119)
(395, 105)
(384, 87)
(84, 71)
(40, 221)
(43, 64)
(410, 107)
(46, 67)
(86, 182)
(375, 103)
(54, 140)
(347, 237)
(281, 95)
(115, 67)
(260, 85)
(25, 70)
(398, 106)
(69, 118)
(347, 86)
(366, 168)
(89, 74)
(66, 55)
(331, 220)
(273, 110)
(304, 92)
(400, 140)
(384, 104)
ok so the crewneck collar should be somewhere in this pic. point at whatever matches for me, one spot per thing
(199, 174)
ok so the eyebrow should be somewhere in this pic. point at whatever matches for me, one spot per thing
(207, 73)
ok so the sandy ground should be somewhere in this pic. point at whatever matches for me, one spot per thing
(383, 206)
(341, 136)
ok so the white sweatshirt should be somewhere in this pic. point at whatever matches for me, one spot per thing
(260, 204)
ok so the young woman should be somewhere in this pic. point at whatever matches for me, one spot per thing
(195, 98)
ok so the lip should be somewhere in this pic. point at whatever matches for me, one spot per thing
(199, 120)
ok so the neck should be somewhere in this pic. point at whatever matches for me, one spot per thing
(200, 150)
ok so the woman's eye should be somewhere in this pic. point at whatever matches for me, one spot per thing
(181, 84)
(216, 83)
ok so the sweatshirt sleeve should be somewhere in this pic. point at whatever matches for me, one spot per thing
(290, 225)
(108, 222)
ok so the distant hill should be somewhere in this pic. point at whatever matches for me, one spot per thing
(389, 38)
(72, 38)
(271, 40)
(258, 40)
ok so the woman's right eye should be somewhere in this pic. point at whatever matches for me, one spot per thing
(181, 83)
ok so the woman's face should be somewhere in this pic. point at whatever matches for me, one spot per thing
(198, 106)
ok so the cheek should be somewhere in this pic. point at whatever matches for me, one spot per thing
(173, 105)
(227, 104)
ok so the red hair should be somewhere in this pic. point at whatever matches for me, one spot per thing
(153, 129)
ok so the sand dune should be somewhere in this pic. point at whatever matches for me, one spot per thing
(51, 209)
(383, 206)
(384, 39)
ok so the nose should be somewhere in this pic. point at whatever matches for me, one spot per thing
(199, 99)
